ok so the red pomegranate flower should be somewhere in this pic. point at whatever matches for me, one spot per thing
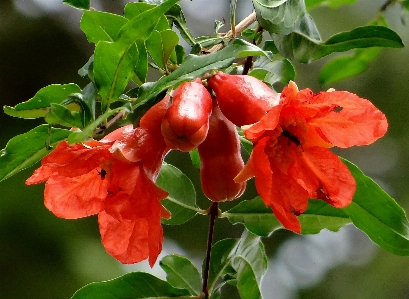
(113, 178)
(291, 161)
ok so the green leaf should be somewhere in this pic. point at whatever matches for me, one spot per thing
(39, 105)
(375, 213)
(330, 3)
(209, 41)
(283, 18)
(243, 260)
(135, 285)
(26, 149)
(181, 201)
(101, 26)
(299, 46)
(320, 215)
(345, 67)
(133, 9)
(194, 66)
(114, 62)
(141, 68)
(182, 274)
(81, 4)
(255, 216)
(278, 70)
(87, 132)
(113, 68)
(260, 220)
(61, 115)
(160, 46)
(195, 158)
(176, 16)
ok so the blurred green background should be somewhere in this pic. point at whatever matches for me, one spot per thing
(42, 256)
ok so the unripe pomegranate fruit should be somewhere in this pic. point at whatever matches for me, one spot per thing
(243, 99)
(220, 159)
(186, 121)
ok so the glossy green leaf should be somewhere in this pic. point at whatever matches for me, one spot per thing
(61, 115)
(281, 19)
(261, 221)
(242, 262)
(101, 26)
(181, 201)
(39, 105)
(330, 3)
(135, 285)
(176, 16)
(133, 9)
(300, 47)
(160, 46)
(141, 68)
(320, 215)
(219, 262)
(113, 68)
(195, 158)
(26, 149)
(181, 273)
(195, 66)
(114, 62)
(81, 4)
(345, 67)
(87, 132)
(375, 213)
(209, 41)
(278, 70)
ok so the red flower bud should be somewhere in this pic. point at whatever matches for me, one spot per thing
(186, 121)
(221, 159)
(243, 99)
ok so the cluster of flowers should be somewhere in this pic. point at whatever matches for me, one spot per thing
(291, 133)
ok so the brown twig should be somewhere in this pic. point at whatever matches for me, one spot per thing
(214, 213)
(245, 23)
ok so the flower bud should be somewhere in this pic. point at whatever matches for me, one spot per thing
(186, 121)
(243, 99)
(220, 159)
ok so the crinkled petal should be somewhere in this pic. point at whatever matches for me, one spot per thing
(76, 197)
(70, 161)
(267, 123)
(278, 190)
(354, 121)
(336, 184)
(155, 232)
(40, 175)
(125, 240)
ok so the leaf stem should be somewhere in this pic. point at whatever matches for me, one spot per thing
(214, 213)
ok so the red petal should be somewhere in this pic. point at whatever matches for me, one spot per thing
(278, 190)
(72, 160)
(75, 197)
(334, 177)
(267, 123)
(125, 240)
(355, 121)
(155, 232)
(40, 175)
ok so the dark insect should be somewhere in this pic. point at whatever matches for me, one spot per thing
(338, 109)
(291, 137)
(102, 173)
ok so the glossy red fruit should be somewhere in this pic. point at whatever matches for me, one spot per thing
(186, 121)
(220, 159)
(243, 99)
